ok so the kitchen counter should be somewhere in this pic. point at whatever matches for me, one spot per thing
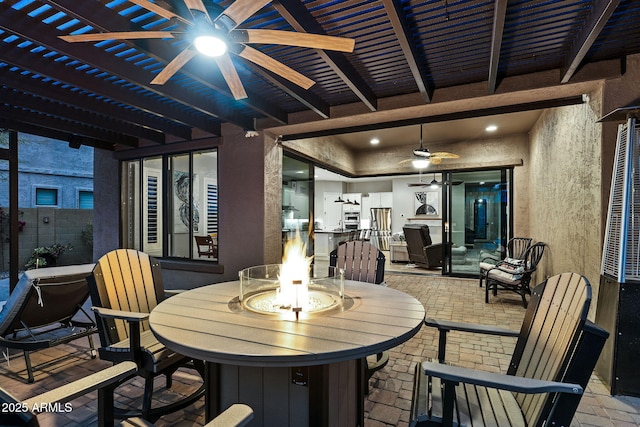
(328, 240)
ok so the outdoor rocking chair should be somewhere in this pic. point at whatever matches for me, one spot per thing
(125, 286)
(45, 310)
(516, 248)
(514, 274)
(554, 356)
(362, 261)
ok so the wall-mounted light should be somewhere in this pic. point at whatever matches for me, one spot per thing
(45, 219)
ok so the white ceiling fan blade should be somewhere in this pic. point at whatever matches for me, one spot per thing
(231, 76)
(265, 61)
(173, 66)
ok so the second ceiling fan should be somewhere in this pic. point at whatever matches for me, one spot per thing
(217, 37)
(422, 157)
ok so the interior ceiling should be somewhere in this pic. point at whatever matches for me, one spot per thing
(408, 54)
(443, 132)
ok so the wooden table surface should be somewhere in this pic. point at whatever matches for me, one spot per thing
(201, 324)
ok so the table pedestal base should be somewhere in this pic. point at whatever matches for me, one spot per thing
(323, 395)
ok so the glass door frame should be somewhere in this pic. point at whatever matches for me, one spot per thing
(505, 217)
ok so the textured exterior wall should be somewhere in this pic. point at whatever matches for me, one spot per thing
(564, 189)
(106, 202)
(49, 163)
(272, 202)
(326, 150)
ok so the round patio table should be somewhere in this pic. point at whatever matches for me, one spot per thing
(292, 372)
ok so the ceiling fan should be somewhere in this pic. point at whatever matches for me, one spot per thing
(422, 156)
(434, 183)
(217, 37)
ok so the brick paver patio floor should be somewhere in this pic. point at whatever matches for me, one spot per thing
(388, 403)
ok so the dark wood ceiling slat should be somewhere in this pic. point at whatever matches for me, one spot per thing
(58, 109)
(71, 76)
(48, 121)
(298, 16)
(401, 28)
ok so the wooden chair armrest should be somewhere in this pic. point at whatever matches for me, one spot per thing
(445, 326)
(134, 319)
(109, 376)
(237, 415)
(129, 316)
(525, 385)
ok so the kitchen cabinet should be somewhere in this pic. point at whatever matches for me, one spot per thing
(332, 212)
(326, 241)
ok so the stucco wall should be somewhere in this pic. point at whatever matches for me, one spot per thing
(564, 189)
(49, 163)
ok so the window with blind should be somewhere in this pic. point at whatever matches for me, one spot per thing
(85, 199)
(46, 197)
(171, 204)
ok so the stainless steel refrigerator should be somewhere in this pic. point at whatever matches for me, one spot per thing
(381, 227)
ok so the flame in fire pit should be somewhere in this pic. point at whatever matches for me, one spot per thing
(294, 275)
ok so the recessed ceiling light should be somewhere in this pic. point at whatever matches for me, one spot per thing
(375, 141)
(491, 128)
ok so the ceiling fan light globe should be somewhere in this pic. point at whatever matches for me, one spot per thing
(210, 46)
(420, 163)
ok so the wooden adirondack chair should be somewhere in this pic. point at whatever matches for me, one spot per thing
(554, 356)
(125, 286)
(105, 382)
(364, 262)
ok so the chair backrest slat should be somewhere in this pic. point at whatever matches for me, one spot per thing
(126, 279)
(517, 247)
(361, 261)
(550, 331)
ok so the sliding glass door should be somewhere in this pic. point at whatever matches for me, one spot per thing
(478, 218)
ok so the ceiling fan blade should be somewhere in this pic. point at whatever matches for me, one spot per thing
(196, 5)
(158, 10)
(231, 76)
(124, 35)
(445, 155)
(292, 38)
(435, 160)
(173, 66)
(240, 10)
(265, 61)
